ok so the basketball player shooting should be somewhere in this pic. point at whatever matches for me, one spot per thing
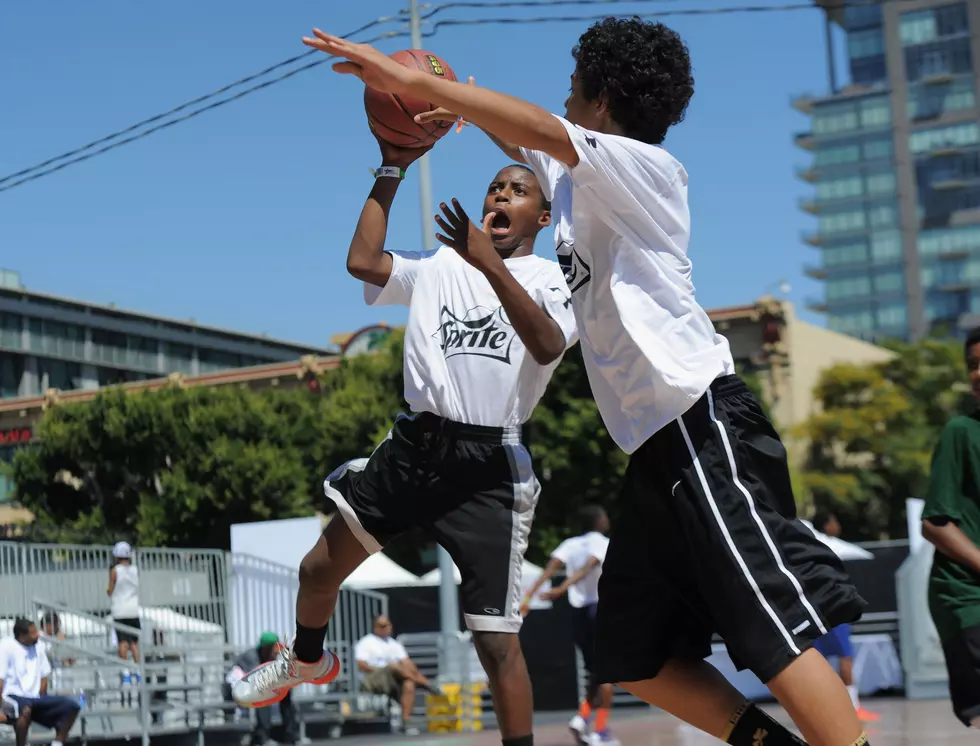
(708, 539)
(488, 323)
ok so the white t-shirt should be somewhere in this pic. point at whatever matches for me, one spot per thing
(379, 652)
(463, 359)
(125, 600)
(575, 553)
(22, 668)
(622, 228)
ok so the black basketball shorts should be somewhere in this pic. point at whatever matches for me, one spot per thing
(708, 542)
(585, 628)
(471, 488)
(962, 653)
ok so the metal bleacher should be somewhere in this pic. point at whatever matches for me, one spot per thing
(200, 610)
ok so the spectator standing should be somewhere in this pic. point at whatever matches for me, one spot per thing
(124, 604)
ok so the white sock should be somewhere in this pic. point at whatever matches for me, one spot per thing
(853, 691)
(57, 743)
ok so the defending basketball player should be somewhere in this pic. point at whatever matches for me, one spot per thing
(488, 323)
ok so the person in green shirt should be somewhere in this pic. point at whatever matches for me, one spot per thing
(951, 522)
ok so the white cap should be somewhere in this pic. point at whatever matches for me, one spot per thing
(122, 550)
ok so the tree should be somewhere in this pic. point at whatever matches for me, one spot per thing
(871, 441)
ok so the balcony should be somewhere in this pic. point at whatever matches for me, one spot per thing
(814, 272)
(809, 174)
(937, 79)
(805, 140)
(956, 286)
(803, 103)
(946, 185)
(953, 254)
(812, 239)
(809, 205)
(816, 304)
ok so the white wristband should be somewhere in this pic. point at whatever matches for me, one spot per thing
(389, 172)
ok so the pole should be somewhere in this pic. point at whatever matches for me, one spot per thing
(448, 601)
(425, 174)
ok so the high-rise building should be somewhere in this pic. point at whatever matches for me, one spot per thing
(48, 342)
(896, 167)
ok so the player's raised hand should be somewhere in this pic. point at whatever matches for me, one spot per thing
(375, 68)
(392, 155)
(470, 241)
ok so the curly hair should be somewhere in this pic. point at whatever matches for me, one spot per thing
(642, 69)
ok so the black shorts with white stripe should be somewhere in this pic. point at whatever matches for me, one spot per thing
(707, 541)
(470, 488)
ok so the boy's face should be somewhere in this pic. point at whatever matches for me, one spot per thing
(515, 198)
(973, 369)
(591, 115)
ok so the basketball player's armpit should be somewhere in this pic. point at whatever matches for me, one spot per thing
(540, 333)
(366, 257)
(949, 539)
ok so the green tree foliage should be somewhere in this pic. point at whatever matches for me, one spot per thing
(178, 466)
(871, 441)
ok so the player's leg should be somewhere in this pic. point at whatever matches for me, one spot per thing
(372, 497)
(771, 585)
(581, 723)
(483, 518)
(962, 653)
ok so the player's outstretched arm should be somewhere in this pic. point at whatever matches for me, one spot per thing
(510, 119)
(591, 564)
(540, 333)
(366, 257)
(553, 566)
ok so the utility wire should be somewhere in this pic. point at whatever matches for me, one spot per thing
(76, 156)
(193, 102)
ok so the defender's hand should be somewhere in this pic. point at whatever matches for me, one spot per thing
(375, 68)
(444, 115)
(470, 241)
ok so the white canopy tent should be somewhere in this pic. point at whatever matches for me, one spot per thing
(843, 549)
(378, 571)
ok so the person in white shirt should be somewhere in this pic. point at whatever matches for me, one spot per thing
(708, 539)
(582, 558)
(387, 669)
(124, 603)
(24, 676)
(488, 323)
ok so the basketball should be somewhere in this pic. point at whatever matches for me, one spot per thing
(392, 118)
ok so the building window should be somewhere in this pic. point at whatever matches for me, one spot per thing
(846, 254)
(109, 347)
(11, 370)
(842, 222)
(882, 216)
(10, 336)
(875, 113)
(178, 358)
(946, 240)
(889, 282)
(931, 101)
(945, 306)
(953, 136)
(923, 26)
(212, 360)
(857, 323)
(938, 203)
(861, 15)
(886, 246)
(865, 43)
(58, 374)
(848, 116)
(893, 317)
(837, 155)
(881, 184)
(949, 57)
(54, 338)
(879, 148)
(848, 287)
(841, 188)
(143, 353)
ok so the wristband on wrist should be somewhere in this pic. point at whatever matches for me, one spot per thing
(389, 172)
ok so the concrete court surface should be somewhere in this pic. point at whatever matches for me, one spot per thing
(903, 723)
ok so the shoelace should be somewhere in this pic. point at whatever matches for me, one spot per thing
(272, 675)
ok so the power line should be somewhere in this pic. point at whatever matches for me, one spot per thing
(76, 156)
(192, 102)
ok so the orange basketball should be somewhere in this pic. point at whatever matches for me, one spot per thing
(392, 117)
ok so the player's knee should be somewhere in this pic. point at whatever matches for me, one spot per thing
(316, 571)
(497, 649)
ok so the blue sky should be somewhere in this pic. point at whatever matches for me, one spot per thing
(241, 217)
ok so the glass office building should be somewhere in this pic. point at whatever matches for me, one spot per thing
(47, 342)
(896, 171)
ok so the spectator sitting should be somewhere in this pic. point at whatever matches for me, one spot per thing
(51, 627)
(251, 659)
(24, 673)
(388, 670)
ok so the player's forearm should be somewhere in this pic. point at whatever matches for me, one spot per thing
(538, 331)
(951, 541)
(366, 257)
(512, 121)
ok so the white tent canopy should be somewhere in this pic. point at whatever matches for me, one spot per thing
(529, 574)
(378, 571)
(843, 549)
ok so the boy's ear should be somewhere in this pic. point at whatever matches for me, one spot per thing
(545, 219)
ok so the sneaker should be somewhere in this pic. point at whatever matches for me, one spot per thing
(409, 730)
(603, 738)
(866, 716)
(579, 727)
(271, 682)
